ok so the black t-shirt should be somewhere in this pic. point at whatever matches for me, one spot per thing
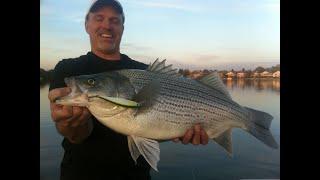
(104, 154)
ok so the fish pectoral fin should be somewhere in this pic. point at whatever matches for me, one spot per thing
(121, 101)
(148, 148)
(224, 140)
(214, 81)
(146, 96)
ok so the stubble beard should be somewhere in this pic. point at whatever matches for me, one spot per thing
(110, 49)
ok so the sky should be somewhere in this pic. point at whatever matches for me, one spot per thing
(201, 34)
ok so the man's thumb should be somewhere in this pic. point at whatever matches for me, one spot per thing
(59, 92)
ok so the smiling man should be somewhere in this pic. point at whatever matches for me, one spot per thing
(105, 25)
(92, 150)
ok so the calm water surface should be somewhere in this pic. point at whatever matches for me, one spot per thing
(251, 158)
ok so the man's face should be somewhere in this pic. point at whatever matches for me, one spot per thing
(105, 28)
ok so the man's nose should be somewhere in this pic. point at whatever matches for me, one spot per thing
(106, 24)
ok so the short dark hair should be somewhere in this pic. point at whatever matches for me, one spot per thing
(97, 5)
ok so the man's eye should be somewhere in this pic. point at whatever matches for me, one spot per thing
(91, 82)
(115, 21)
(98, 18)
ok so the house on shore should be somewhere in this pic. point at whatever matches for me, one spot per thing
(256, 75)
(196, 74)
(266, 74)
(241, 75)
(230, 75)
(276, 74)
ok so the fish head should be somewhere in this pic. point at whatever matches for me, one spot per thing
(107, 84)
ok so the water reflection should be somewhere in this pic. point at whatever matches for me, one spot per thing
(257, 84)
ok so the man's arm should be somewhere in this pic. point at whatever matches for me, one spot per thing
(74, 123)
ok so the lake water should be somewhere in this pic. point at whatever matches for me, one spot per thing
(251, 158)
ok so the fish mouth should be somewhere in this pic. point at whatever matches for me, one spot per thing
(71, 82)
(77, 97)
(75, 88)
(81, 100)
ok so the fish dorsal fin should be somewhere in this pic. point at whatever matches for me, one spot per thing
(214, 81)
(153, 65)
(161, 68)
(165, 69)
(148, 148)
(224, 140)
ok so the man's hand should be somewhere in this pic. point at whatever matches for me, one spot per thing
(72, 122)
(196, 136)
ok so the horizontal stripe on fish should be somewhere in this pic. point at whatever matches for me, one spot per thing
(195, 88)
(183, 90)
(232, 110)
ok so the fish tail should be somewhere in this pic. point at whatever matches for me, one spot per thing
(258, 126)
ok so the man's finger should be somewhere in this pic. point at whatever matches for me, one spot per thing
(77, 113)
(187, 136)
(204, 137)
(72, 121)
(196, 136)
(83, 119)
(61, 113)
(59, 92)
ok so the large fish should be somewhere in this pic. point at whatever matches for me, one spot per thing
(158, 104)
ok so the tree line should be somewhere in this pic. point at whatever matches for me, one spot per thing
(46, 75)
(259, 69)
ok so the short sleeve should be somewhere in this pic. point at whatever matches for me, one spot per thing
(58, 75)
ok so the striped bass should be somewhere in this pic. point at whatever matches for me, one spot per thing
(158, 104)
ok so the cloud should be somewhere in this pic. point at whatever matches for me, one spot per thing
(200, 59)
(178, 61)
(205, 57)
(53, 49)
(168, 5)
(46, 10)
(209, 61)
(134, 47)
(57, 11)
(274, 7)
(77, 18)
(165, 4)
(216, 6)
(263, 6)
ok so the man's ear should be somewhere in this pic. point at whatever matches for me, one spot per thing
(122, 29)
(86, 26)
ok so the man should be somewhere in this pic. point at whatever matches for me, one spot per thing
(93, 151)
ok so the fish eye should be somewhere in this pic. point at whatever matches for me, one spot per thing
(91, 82)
